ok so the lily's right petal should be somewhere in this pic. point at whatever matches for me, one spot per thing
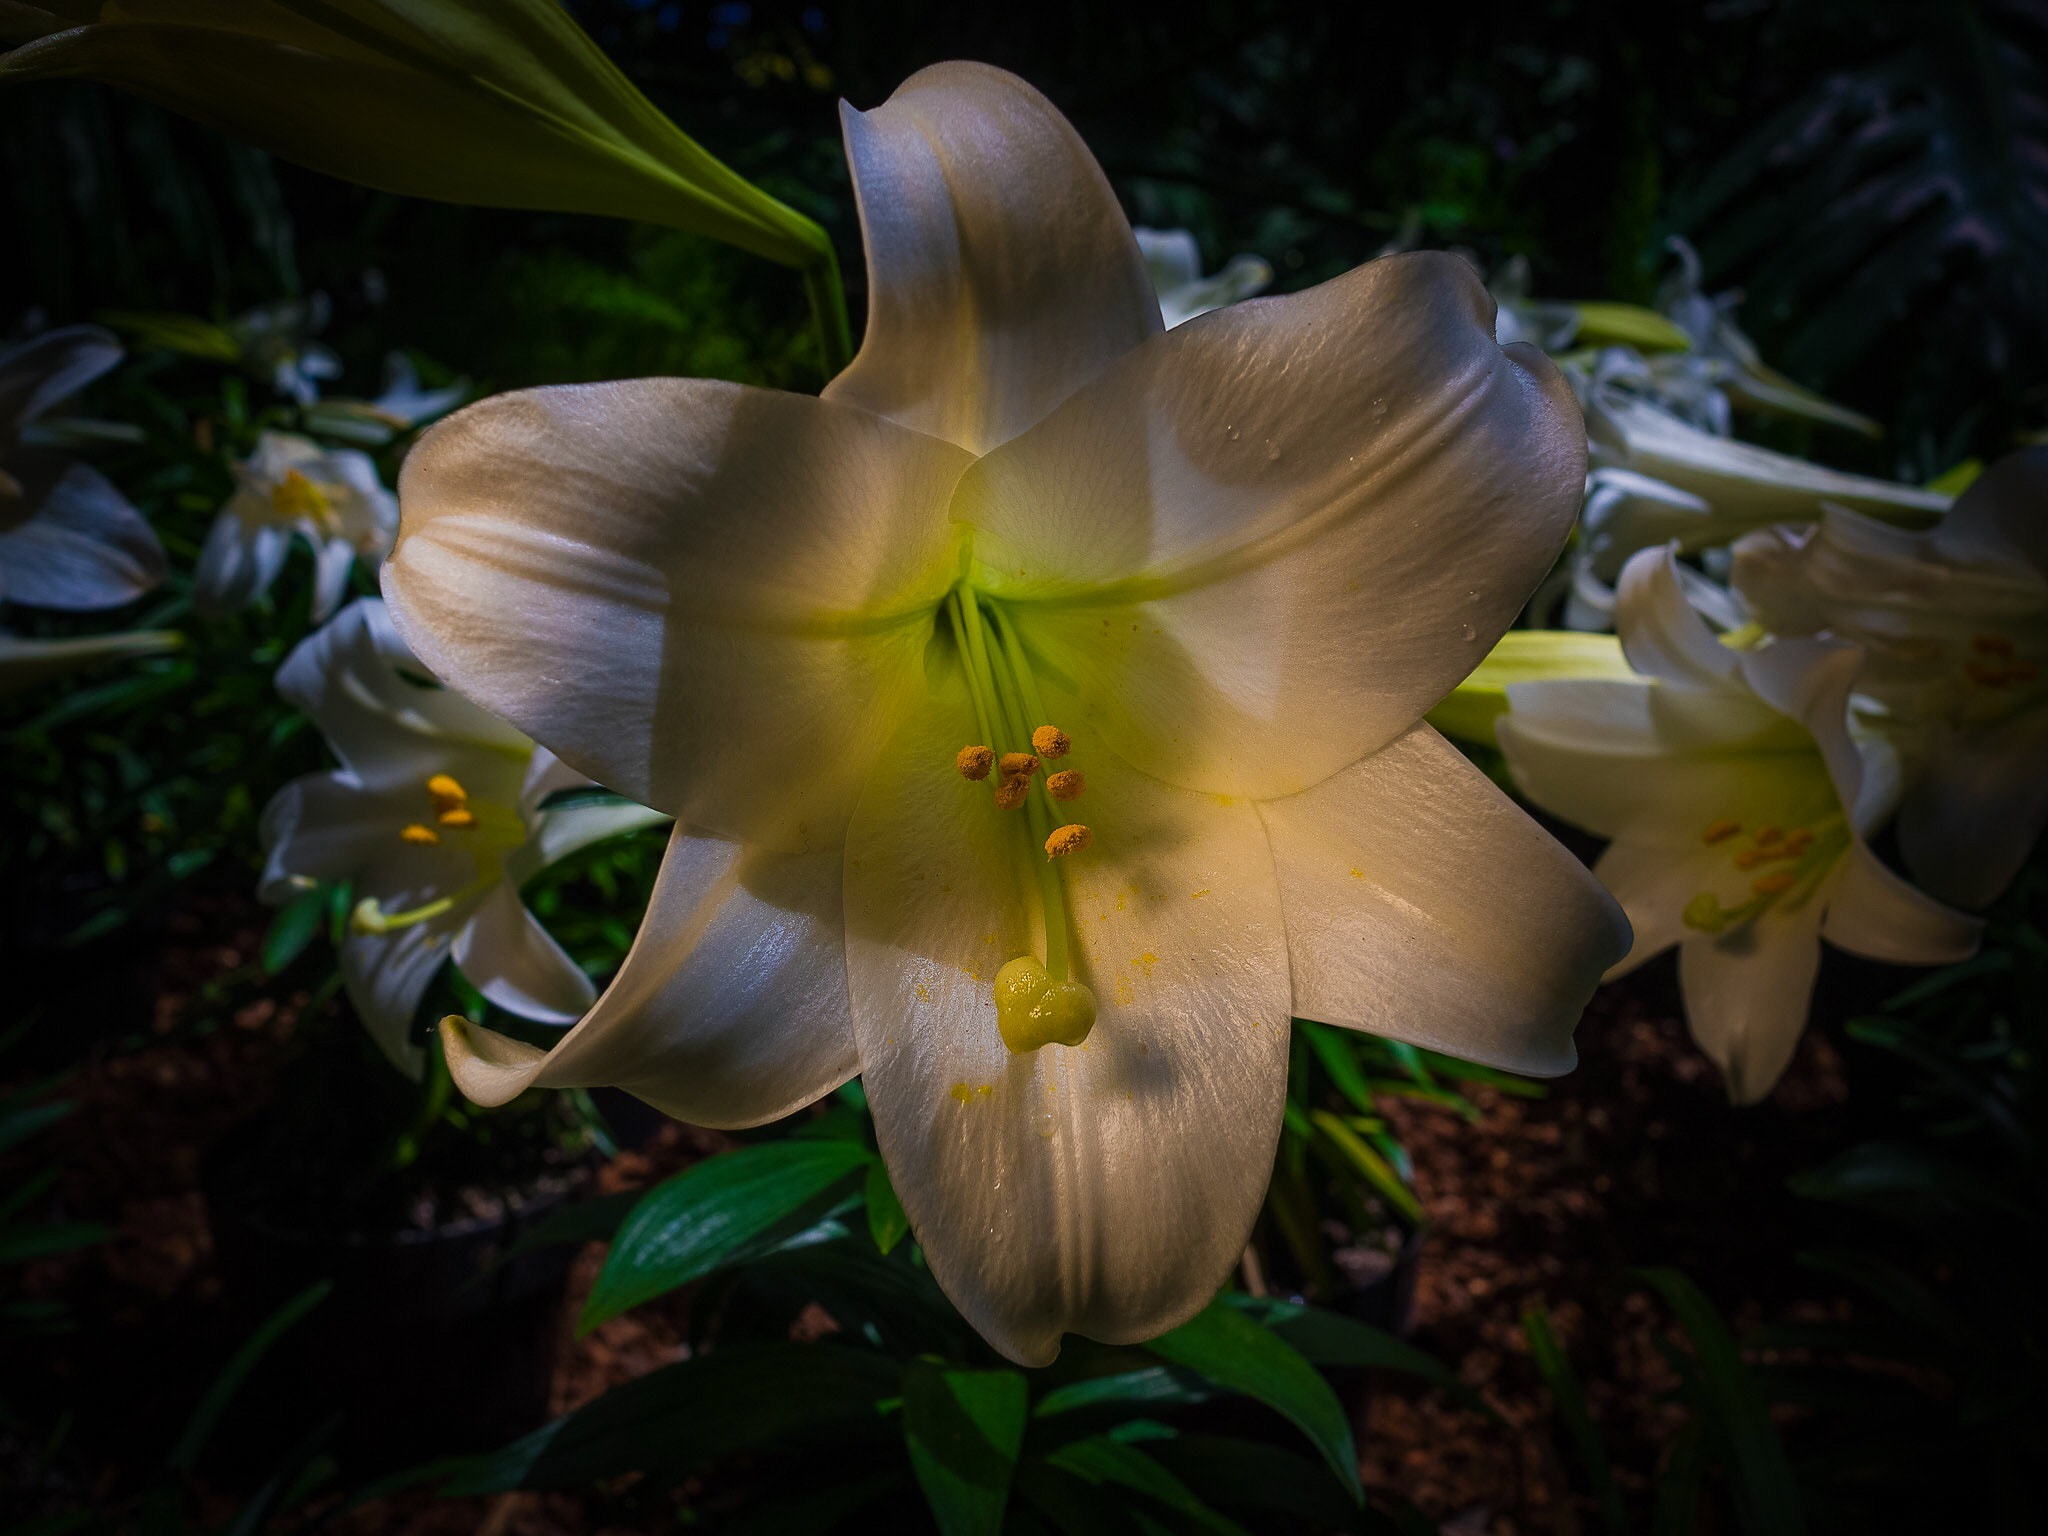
(1398, 922)
(712, 599)
(730, 1009)
(1747, 993)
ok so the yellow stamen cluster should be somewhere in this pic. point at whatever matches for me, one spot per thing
(1014, 772)
(1995, 665)
(451, 809)
(296, 496)
(1766, 845)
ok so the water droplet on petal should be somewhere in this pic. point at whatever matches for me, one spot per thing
(1379, 408)
(1232, 433)
(1467, 632)
(1272, 450)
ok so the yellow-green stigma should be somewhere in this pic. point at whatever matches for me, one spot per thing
(1038, 1002)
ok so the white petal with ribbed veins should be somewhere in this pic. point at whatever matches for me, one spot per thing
(1105, 1189)
(1001, 273)
(730, 1009)
(1747, 992)
(709, 598)
(504, 952)
(1661, 633)
(1263, 544)
(1423, 904)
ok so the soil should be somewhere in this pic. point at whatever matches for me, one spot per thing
(1634, 1159)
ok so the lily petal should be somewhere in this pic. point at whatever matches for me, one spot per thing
(1661, 633)
(50, 368)
(1998, 521)
(1002, 275)
(85, 547)
(1104, 1189)
(1873, 913)
(386, 975)
(731, 589)
(1972, 821)
(1747, 992)
(504, 952)
(729, 1011)
(1653, 882)
(1261, 545)
(1398, 920)
(323, 826)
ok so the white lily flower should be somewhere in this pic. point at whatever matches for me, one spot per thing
(68, 539)
(1217, 573)
(290, 486)
(1547, 323)
(1737, 803)
(403, 405)
(1175, 264)
(275, 343)
(1626, 512)
(1953, 622)
(437, 815)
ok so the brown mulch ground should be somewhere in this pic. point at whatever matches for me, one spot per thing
(1634, 1159)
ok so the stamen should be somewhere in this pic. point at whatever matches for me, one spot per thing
(1017, 765)
(1067, 784)
(443, 786)
(1072, 838)
(1799, 842)
(1051, 741)
(1749, 858)
(296, 496)
(1012, 793)
(457, 816)
(1766, 836)
(1774, 884)
(1991, 645)
(423, 836)
(974, 762)
(1720, 831)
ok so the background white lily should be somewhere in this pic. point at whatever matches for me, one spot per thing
(68, 539)
(1737, 804)
(437, 816)
(291, 486)
(1175, 262)
(404, 404)
(1953, 622)
(1235, 561)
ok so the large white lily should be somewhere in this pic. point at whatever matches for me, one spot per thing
(68, 539)
(1737, 803)
(438, 815)
(292, 487)
(1953, 622)
(1175, 263)
(1216, 572)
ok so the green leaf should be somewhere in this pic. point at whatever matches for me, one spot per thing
(292, 930)
(1766, 1494)
(1679, 1481)
(1523, 656)
(1106, 1459)
(37, 1240)
(19, 1121)
(185, 1455)
(1327, 1338)
(708, 1216)
(887, 1220)
(1570, 1400)
(1333, 1049)
(1234, 1352)
(1628, 325)
(964, 1429)
(1153, 1384)
(1373, 1168)
(687, 1416)
(1250, 1475)
(187, 334)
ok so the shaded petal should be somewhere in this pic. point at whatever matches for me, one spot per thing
(1001, 273)
(48, 368)
(1873, 913)
(1423, 904)
(1654, 882)
(322, 827)
(1998, 519)
(1747, 992)
(1809, 680)
(558, 833)
(508, 956)
(85, 547)
(712, 599)
(334, 560)
(386, 976)
(1264, 543)
(1105, 1189)
(385, 717)
(730, 1009)
(1661, 633)
(1972, 820)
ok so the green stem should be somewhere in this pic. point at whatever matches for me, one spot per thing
(979, 687)
(827, 297)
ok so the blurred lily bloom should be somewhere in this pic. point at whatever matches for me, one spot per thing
(1953, 622)
(68, 539)
(437, 814)
(404, 404)
(1041, 710)
(1737, 802)
(289, 487)
(1175, 263)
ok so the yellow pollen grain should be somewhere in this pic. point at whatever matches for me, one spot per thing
(1991, 645)
(423, 836)
(974, 762)
(1051, 741)
(1768, 836)
(1147, 960)
(924, 993)
(1066, 840)
(1067, 784)
(1011, 793)
(1198, 895)
(1720, 831)
(1357, 873)
(1017, 765)
(962, 1094)
(1126, 994)
(1773, 884)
